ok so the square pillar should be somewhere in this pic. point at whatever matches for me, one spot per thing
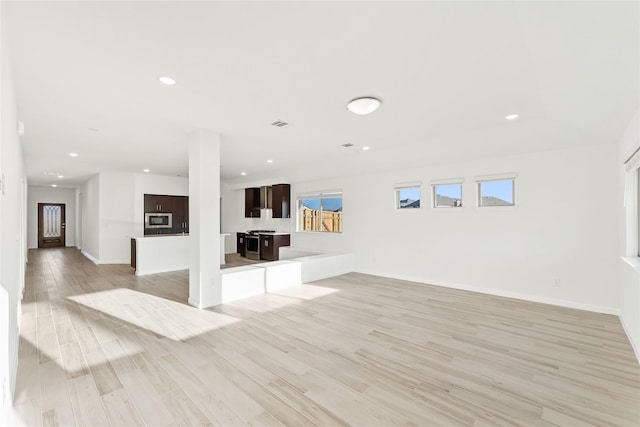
(204, 219)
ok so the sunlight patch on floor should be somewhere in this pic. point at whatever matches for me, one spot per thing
(163, 317)
(306, 292)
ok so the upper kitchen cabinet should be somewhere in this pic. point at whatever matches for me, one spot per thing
(252, 202)
(157, 203)
(281, 200)
(177, 206)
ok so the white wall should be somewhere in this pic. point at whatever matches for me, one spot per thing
(89, 195)
(51, 195)
(628, 232)
(113, 210)
(12, 231)
(116, 217)
(563, 227)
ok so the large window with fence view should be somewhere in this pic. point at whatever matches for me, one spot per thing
(320, 212)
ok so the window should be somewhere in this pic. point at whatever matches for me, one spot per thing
(447, 194)
(496, 190)
(407, 195)
(320, 212)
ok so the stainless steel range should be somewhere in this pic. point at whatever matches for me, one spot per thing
(252, 243)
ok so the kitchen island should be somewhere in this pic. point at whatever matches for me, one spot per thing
(161, 253)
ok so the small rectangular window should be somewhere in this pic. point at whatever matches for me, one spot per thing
(447, 195)
(408, 197)
(320, 212)
(500, 192)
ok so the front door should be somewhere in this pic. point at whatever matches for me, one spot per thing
(51, 225)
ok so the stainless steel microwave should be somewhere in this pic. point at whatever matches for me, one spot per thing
(158, 220)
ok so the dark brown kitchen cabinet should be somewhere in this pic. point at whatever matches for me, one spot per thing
(177, 206)
(270, 245)
(157, 203)
(281, 201)
(240, 246)
(252, 202)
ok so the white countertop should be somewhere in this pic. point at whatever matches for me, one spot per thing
(275, 233)
(161, 235)
(170, 235)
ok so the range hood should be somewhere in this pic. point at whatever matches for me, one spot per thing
(266, 197)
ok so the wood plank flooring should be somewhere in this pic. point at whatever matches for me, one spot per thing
(100, 346)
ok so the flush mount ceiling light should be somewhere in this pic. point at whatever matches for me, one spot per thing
(146, 170)
(54, 185)
(366, 148)
(60, 176)
(73, 154)
(167, 80)
(363, 105)
(269, 161)
(243, 173)
(511, 116)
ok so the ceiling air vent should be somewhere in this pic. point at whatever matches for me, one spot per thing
(347, 145)
(279, 124)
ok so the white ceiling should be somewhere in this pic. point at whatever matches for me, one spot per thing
(447, 72)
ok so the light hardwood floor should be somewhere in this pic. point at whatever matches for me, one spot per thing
(100, 346)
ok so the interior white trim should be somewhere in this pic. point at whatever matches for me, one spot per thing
(447, 181)
(495, 177)
(633, 162)
(635, 346)
(91, 258)
(319, 194)
(401, 185)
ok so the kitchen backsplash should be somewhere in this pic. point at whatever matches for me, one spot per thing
(267, 222)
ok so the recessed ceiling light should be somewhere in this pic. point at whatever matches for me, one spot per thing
(243, 173)
(73, 154)
(60, 176)
(366, 148)
(364, 105)
(167, 80)
(269, 161)
(146, 170)
(512, 116)
(54, 185)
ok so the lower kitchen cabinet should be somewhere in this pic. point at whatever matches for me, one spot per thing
(240, 246)
(270, 245)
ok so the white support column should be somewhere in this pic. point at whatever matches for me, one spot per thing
(204, 219)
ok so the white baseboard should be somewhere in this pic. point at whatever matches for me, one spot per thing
(90, 257)
(201, 306)
(501, 293)
(634, 345)
(117, 261)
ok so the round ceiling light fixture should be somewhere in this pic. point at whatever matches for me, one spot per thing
(511, 116)
(146, 170)
(167, 80)
(364, 105)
